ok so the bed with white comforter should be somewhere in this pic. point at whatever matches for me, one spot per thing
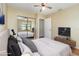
(45, 47)
(48, 47)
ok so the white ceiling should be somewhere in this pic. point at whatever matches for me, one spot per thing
(30, 7)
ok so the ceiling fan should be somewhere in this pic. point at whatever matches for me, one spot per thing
(43, 6)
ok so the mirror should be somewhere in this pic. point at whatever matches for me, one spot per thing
(26, 27)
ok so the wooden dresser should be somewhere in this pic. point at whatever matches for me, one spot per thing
(70, 42)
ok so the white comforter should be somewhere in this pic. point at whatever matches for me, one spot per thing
(47, 47)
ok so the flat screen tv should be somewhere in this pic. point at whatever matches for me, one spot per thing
(64, 31)
(2, 19)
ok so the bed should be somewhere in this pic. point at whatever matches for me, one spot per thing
(26, 34)
(45, 47)
(48, 47)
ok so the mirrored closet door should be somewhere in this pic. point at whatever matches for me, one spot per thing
(26, 27)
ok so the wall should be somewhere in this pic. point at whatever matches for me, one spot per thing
(13, 13)
(67, 18)
(3, 27)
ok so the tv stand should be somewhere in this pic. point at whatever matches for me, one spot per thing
(70, 42)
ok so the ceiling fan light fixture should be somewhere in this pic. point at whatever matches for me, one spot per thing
(43, 8)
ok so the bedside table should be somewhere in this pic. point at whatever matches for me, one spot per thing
(70, 42)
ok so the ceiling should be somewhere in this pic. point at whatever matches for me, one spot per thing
(30, 7)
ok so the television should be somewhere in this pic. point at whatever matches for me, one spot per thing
(2, 19)
(64, 31)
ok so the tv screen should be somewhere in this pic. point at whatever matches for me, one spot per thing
(64, 31)
(2, 19)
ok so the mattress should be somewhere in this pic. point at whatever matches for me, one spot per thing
(48, 47)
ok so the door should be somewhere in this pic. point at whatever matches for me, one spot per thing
(47, 29)
(41, 28)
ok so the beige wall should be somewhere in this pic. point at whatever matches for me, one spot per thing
(12, 14)
(67, 18)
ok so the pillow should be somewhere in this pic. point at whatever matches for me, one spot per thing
(13, 47)
(21, 47)
(30, 44)
(19, 39)
(24, 49)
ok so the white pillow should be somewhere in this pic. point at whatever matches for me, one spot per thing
(24, 49)
(19, 39)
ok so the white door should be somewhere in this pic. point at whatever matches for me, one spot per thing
(41, 28)
(47, 29)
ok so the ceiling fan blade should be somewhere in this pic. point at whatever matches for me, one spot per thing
(49, 7)
(36, 5)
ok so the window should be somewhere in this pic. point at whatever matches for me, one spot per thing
(25, 24)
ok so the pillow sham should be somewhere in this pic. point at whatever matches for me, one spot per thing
(13, 47)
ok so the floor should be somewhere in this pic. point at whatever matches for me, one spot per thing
(75, 52)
